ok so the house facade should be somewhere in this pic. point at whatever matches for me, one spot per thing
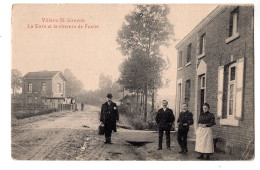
(44, 87)
(216, 65)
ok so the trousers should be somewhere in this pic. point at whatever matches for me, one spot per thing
(182, 138)
(168, 138)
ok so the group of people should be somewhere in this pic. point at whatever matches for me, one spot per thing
(165, 119)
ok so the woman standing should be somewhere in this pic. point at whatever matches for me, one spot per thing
(204, 139)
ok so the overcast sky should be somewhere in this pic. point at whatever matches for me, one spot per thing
(87, 52)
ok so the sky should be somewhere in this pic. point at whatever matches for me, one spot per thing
(87, 52)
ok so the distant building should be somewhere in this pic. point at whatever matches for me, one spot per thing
(216, 65)
(44, 87)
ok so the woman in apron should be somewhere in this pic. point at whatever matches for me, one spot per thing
(204, 139)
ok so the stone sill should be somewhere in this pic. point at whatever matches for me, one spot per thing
(189, 63)
(180, 68)
(233, 37)
(229, 122)
(201, 55)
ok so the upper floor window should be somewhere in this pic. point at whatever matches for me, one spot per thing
(180, 60)
(30, 87)
(189, 53)
(59, 88)
(233, 22)
(202, 44)
(43, 87)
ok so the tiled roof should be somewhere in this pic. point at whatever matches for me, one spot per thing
(40, 75)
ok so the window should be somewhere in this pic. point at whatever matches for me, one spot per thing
(43, 87)
(233, 22)
(180, 60)
(30, 87)
(231, 90)
(188, 53)
(202, 44)
(187, 90)
(230, 93)
(29, 99)
(59, 88)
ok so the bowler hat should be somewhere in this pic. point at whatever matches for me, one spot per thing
(109, 95)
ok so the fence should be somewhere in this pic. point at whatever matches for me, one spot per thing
(68, 107)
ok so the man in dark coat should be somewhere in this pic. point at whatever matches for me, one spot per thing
(108, 116)
(164, 120)
(184, 121)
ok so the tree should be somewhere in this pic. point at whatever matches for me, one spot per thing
(145, 30)
(16, 80)
(73, 85)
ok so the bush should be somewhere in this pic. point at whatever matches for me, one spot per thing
(30, 113)
(135, 120)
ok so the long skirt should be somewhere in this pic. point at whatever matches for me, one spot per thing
(204, 140)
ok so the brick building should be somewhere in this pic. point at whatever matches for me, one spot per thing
(216, 65)
(44, 87)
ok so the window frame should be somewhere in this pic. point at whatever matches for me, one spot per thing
(233, 26)
(187, 89)
(231, 82)
(180, 55)
(44, 84)
(189, 47)
(29, 90)
(29, 97)
(202, 44)
(59, 90)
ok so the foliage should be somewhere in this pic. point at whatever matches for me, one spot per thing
(22, 114)
(73, 85)
(16, 80)
(142, 34)
(97, 97)
(146, 28)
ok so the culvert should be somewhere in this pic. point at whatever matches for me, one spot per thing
(138, 143)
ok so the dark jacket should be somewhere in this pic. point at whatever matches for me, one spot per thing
(207, 118)
(109, 115)
(165, 119)
(185, 117)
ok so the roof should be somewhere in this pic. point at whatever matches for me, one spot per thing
(42, 75)
(204, 22)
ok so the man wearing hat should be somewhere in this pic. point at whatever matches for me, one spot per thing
(108, 116)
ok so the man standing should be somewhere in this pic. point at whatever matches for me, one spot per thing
(184, 121)
(164, 120)
(82, 106)
(108, 116)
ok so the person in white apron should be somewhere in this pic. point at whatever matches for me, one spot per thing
(204, 138)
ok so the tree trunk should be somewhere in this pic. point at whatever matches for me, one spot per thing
(152, 100)
(141, 104)
(145, 103)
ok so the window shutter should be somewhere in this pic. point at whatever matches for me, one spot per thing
(220, 91)
(239, 88)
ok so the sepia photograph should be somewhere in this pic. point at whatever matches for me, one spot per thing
(132, 82)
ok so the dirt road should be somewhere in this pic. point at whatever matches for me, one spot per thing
(73, 136)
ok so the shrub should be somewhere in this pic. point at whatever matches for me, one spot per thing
(30, 113)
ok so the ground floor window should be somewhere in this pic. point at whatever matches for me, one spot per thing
(230, 92)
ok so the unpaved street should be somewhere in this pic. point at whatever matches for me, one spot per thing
(73, 136)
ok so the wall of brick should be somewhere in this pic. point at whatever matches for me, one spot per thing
(234, 140)
(36, 90)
